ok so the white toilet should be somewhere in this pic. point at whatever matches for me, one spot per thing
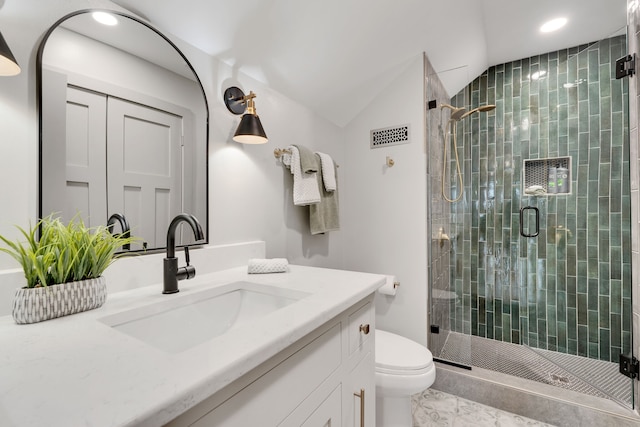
(403, 368)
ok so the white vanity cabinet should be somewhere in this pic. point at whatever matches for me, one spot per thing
(324, 379)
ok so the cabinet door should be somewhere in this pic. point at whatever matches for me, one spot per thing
(272, 397)
(328, 414)
(362, 377)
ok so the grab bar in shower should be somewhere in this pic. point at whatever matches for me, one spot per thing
(537, 226)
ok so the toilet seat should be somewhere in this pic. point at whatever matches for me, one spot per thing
(397, 355)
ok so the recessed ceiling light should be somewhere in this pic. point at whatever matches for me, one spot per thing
(105, 18)
(553, 25)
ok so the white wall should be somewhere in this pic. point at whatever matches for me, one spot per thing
(249, 190)
(385, 208)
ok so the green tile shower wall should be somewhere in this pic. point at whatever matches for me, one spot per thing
(569, 289)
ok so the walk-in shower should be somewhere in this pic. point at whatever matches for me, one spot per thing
(552, 306)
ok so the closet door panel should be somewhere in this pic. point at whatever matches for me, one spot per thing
(144, 161)
(84, 149)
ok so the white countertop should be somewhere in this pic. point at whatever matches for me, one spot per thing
(77, 371)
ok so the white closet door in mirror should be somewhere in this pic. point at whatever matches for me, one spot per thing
(75, 153)
(86, 182)
(144, 162)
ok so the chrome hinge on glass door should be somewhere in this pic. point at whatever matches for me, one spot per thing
(629, 366)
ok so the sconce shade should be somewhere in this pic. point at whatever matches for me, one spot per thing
(250, 130)
(8, 64)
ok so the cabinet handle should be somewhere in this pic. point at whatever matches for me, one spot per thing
(364, 328)
(361, 396)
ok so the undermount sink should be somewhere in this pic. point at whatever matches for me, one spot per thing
(184, 321)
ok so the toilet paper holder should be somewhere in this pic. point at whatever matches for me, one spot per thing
(390, 286)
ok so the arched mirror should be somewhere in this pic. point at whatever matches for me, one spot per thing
(124, 126)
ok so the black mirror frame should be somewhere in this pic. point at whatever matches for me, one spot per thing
(39, 56)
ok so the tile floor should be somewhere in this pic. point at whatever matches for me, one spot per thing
(435, 408)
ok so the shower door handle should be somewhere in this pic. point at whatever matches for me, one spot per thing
(537, 229)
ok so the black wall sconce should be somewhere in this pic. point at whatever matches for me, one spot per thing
(250, 130)
(8, 64)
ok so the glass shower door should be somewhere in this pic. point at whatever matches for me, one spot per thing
(449, 316)
(582, 257)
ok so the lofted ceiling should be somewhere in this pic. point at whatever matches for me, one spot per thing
(335, 56)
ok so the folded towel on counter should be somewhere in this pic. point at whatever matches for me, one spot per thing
(273, 265)
(328, 172)
(325, 216)
(305, 185)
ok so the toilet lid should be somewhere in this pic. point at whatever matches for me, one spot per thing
(399, 353)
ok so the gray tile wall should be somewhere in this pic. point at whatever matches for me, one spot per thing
(569, 289)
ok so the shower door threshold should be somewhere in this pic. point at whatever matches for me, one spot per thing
(520, 361)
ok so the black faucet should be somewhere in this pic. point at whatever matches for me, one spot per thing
(171, 271)
(124, 225)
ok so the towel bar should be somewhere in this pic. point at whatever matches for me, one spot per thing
(278, 152)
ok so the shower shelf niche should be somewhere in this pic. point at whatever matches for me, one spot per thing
(538, 177)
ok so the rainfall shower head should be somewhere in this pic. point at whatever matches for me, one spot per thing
(456, 113)
(481, 109)
(485, 108)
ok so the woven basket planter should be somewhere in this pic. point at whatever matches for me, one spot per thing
(32, 305)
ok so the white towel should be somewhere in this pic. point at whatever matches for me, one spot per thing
(328, 172)
(305, 185)
(261, 266)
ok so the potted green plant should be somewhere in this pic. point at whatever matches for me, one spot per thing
(63, 268)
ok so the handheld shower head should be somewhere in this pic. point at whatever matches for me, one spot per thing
(456, 113)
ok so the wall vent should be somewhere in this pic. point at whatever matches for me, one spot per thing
(394, 135)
